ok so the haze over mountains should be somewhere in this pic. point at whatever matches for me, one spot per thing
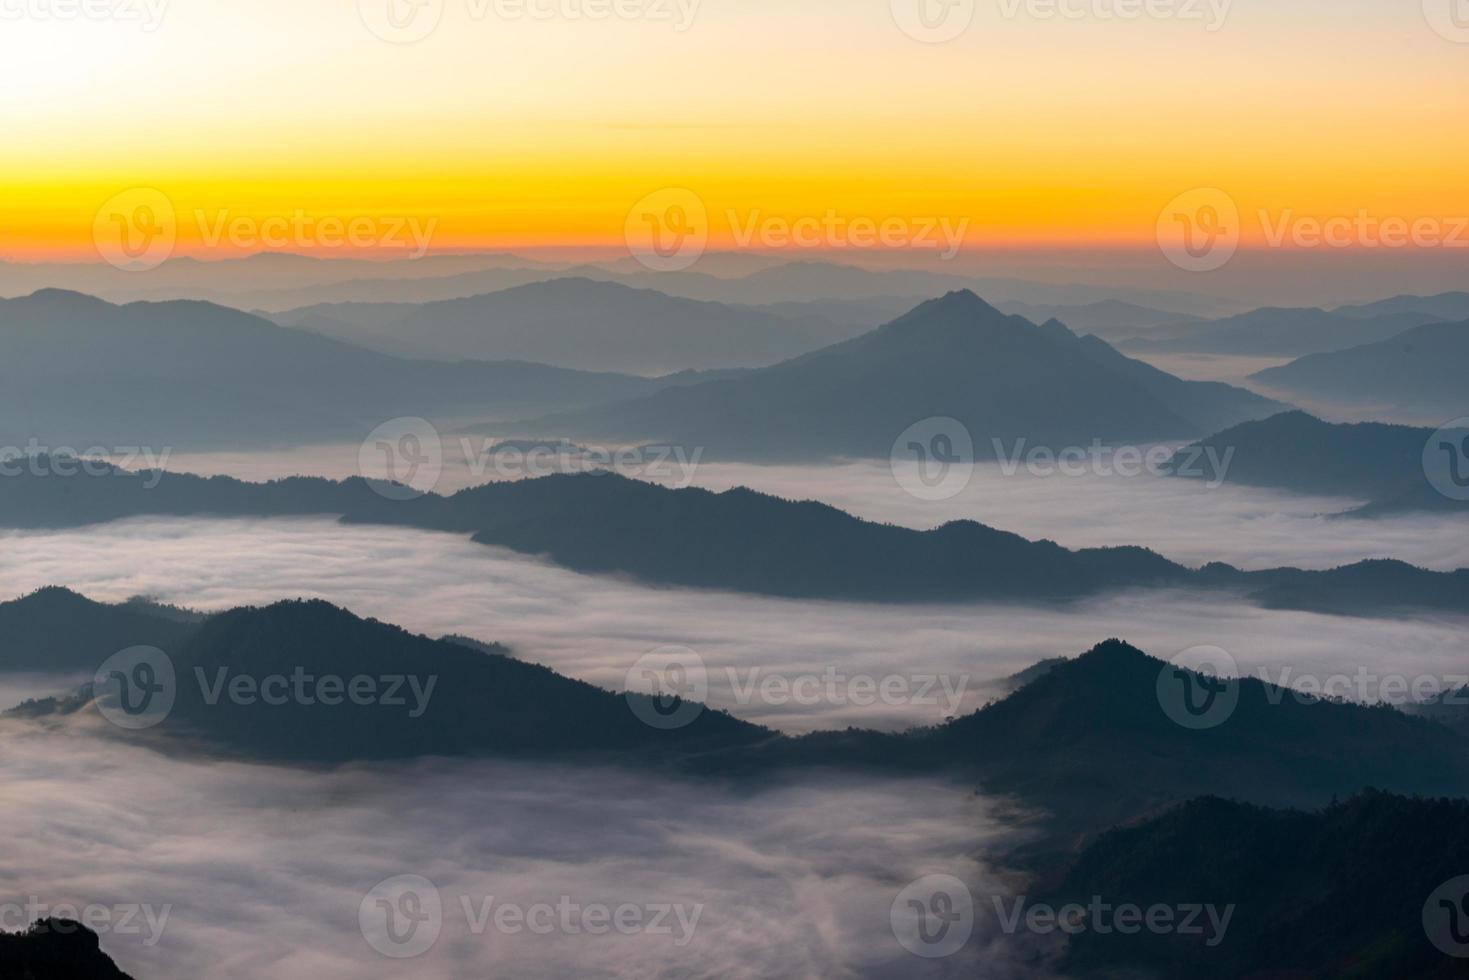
(1087, 738)
(1417, 372)
(1277, 333)
(78, 371)
(577, 323)
(1004, 378)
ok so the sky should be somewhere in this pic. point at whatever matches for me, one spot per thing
(531, 123)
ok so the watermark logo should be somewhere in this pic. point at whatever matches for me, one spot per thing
(933, 21)
(668, 230)
(125, 919)
(1211, 922)
(1199, 230)
(1207, 463)
(933, 459)
(64, 462)
(528, 459)
(832, 230)
(1362, 230)
(1446, 917)
(148, 14)
(667, 687)
(402, 459)
(135, 688)
(1211, 13)
(401, 917)
(136, 230)
(833, 687)
(1449, 18)
(933, 917)
(1199, 688)
(1366, 686)
(401, 21)
(1446, 459)
(406, 235)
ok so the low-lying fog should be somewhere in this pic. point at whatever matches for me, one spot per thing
(596, 628)
(1187, 520)
(251, 871)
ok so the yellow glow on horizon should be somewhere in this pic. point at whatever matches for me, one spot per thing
(527, 133)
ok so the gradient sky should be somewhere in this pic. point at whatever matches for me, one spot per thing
(524, 132)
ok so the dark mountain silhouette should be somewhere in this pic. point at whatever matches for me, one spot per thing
(748, 542)
(1339, 892)
(1296, 451)
(1275, 332)
(1449, 708)
(1419, 371)
(57, 630)
(1003, 377)
(429, 697)
(55, 949)
(1089, 742)
(576, 323)
(81, 372)
(1088, 739)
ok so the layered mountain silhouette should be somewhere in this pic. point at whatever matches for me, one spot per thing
(395, 694)
(577, 323)
(1090, 740)
(1419, 371)
(55, 949)
(1007, 380)
(1276, 332)
(77, 371)
(601, 523)
(1382, 464)
(1341, 891)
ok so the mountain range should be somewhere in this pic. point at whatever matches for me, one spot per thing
(1089, 739)
(1008, 381)
(601, 523)
(577, 323)
(77, 371)
(1274, 332)
(1417, 372)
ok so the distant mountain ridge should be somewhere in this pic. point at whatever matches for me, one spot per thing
(577, 323)
(749, 542)
(1419, 371)
(1275, 332)
(77, 371)
(1003, 377)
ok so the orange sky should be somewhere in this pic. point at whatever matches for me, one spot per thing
(503, 130)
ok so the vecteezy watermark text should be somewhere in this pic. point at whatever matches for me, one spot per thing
(147, 14)
(123, 919)
(139, 228)
(401, 917)
(33, 459)
(137, 688)
(669, 230)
